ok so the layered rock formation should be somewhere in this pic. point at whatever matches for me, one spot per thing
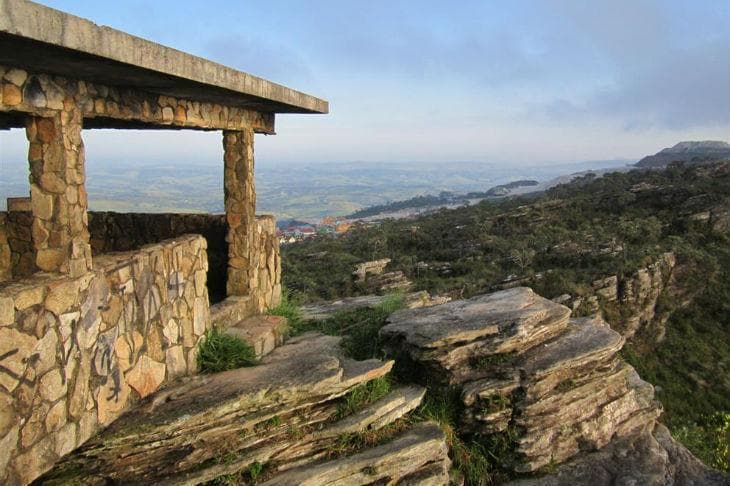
(638, 293)
(556, 384)
(286, 419)
(372, 276)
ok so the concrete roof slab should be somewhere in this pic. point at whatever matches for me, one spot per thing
(36, 37)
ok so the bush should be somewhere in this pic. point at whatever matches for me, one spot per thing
(221, 352)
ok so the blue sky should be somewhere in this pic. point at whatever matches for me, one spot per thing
(501, 81)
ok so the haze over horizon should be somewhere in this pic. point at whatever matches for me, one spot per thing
(524, 82)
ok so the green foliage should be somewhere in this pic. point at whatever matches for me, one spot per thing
(249, 475)
(363, 395)
(496, 403)
(289, 308)
(709, 441)
(359, 327)
(220, 352)
(559, 242)
(478, 460)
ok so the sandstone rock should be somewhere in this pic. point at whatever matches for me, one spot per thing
(408, 455)
(650, 458)
(8, 417)
(522, 364)
(299, 384)
(52, 386)
(146, 376)
(375, 267)
(448, 338)
(7, 311)
(264, 332)
(11, 95)
(15, 347)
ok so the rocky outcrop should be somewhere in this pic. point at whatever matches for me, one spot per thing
(523, 365)
(365, 269)
(325, 310)
(285, 418)
(638, 295)
(641, 292)
(649, 458)
(373, 277)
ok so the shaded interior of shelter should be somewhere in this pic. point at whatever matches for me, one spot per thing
(112, 231)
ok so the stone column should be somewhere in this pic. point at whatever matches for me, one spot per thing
(240, 204)
(58, 195)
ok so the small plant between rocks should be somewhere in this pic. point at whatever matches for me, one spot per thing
(220, 352)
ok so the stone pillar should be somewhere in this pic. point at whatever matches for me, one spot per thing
(240, 204)
(58, 195)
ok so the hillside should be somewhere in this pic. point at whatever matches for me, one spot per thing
(688, 152)
(649, 250)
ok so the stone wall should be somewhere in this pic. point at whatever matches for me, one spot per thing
(127, 231)
(18, 226)
(265, 266)
(6, 265)
(75, 353)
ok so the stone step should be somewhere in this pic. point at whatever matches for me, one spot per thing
(263, 332)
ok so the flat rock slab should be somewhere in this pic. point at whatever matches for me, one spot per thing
(504, 319)
(420, 454)
(263, 332)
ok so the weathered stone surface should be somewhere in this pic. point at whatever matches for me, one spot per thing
(449, 337)
(651, 458)
(375, 267)
(15, 347)
(264, 333)
(146, 376)
(557, 383)
(418, 449)
(308, 374)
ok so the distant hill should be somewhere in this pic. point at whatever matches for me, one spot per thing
(444, 199)
(688, 152)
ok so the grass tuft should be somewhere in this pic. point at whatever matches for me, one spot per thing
(363, 395)
(221, 352)
(289, 308)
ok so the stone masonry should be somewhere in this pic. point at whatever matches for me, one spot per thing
(84, 337)
(240, 201)
(75, 353)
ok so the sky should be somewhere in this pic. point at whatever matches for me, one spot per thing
(513, 82)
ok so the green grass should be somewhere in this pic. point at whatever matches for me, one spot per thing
(363, 395)
(478, 460)
(221, 352)
(289, 308)
(359, 327)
